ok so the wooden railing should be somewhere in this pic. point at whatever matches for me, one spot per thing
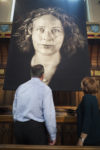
(66, 130)
(34, 147)
(59, 119)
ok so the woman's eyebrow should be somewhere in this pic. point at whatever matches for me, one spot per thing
(57, 27)
(53, 27)
(40, 26)
(60, 28)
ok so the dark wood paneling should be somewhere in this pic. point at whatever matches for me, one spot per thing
(66, 128)
(94, 49)
(4, 44)
(62, 98)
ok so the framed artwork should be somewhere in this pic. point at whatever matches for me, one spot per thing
(5, 30)
(51, 33)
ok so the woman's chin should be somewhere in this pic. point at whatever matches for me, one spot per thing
(46, 52)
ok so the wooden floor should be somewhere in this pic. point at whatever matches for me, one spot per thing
(31, 147)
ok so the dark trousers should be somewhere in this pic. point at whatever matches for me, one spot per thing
(30, 132)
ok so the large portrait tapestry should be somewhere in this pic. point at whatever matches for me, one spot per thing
(51, 33)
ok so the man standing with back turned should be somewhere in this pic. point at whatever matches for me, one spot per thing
(34, 112)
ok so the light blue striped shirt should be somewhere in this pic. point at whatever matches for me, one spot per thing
(33, 100)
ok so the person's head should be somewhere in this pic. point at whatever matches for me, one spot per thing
(66, 33)
(89, 85)
(37, 71)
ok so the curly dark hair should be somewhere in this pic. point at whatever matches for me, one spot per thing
(73, 38)
(90, 85)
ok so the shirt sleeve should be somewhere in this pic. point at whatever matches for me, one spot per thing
(86, 115)
(49, 114)
(14, 105)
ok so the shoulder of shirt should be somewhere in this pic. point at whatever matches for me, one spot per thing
(42, 84)
(22, 85)
(46, 86)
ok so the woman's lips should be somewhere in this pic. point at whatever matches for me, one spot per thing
(47, 46)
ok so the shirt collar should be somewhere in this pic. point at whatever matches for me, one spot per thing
(35, 79)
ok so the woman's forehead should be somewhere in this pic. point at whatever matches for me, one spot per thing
(47, 20)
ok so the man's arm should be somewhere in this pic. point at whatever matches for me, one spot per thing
(50, 116)
(14, 105)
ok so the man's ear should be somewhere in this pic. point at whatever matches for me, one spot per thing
(41, 78)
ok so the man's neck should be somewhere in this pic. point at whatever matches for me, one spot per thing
(41, 78)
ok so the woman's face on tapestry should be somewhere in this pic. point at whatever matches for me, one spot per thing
(47, 34)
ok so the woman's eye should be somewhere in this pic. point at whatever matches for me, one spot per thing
(55, 31)
(41, 30)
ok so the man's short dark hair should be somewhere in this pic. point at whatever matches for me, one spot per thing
(37, 70)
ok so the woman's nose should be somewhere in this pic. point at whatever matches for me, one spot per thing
(47, 35)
